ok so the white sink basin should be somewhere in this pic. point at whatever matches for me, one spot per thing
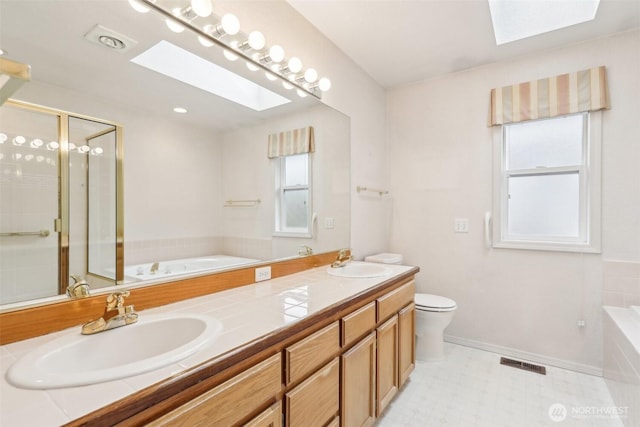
(75, 360)
(355, 269)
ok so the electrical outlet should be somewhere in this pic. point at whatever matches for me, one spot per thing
(263, 273)
(329, 222)
(461, 225)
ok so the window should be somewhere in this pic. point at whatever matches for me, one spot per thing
(547, 188)
(293, 198)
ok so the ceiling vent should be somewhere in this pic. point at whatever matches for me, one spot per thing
(113, 40)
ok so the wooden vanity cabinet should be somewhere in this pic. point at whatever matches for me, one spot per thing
(232, 401)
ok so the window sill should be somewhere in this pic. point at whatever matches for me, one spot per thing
(292, 234)
(548, 246)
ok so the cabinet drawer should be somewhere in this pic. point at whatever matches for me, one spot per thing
(306, 356)
(316, 400)
(231, 401)
(358, 323)
(392, 302)
(271, 417)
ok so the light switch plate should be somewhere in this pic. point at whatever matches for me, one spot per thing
(461, 225)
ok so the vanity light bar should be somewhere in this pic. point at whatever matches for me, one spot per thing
(305, 83)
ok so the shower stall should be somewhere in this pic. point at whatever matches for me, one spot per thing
(61, 204)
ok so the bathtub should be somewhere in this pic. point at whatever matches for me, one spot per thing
(621, 359)
(179, 267)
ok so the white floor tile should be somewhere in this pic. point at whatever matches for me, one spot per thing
(471, 389)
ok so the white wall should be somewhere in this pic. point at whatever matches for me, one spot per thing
(441, 168)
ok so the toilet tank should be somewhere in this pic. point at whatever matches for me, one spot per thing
(385, 258)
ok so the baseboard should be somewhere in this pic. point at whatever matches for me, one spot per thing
(525, 355)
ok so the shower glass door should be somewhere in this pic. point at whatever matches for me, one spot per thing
(29, 204)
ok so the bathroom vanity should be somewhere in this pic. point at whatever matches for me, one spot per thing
(310, 347)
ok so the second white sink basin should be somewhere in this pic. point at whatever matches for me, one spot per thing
(75, 360)
(356, 269)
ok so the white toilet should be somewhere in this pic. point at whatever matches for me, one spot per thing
(433, 315)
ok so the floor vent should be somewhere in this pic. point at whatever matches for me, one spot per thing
(523, 365)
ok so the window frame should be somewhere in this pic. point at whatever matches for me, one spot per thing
(589, 239)
(281, 189)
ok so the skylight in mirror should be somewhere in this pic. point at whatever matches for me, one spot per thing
(180, 64)
(518, 19)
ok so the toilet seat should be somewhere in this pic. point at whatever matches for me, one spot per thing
(429, 302)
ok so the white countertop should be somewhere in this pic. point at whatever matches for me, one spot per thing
(247, 313)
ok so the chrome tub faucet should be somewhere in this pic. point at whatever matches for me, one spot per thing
(116, 314)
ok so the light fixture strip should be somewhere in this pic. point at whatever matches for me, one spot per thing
(167, 14)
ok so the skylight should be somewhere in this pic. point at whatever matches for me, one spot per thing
(518, 19)
(182, 65)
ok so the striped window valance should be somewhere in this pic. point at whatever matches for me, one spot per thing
(291, 142)
(554, 96)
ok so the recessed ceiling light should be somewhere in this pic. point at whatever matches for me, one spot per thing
(180, 110)
(187, 67)
(109, 38)
(516, 20)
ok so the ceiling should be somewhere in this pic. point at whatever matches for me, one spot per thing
(403, 41)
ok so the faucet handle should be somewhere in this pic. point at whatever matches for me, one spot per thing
(79, 288)
(116, 299)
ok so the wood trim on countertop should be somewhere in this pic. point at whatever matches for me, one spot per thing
(145, 405)
(35, 321)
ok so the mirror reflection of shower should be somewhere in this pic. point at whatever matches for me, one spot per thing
(48, 229)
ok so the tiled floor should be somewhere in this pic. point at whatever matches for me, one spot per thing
(471, 389)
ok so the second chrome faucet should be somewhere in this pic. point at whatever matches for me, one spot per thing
(116, 314)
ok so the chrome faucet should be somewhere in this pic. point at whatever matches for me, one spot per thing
(154, 268)
(79, 288)
(305, 251)
(116, 314)
(342, 258)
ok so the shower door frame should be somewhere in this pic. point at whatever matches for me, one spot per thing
(62, 222)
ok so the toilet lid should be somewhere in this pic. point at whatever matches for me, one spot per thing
(434, 302)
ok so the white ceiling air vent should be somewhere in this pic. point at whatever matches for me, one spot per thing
(105, 37)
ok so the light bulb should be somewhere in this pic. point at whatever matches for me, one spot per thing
(39, 159)
(324, 84)
(271, 76)
(3, 138)
(180, 110)
(72, 146)
(204, 41)
(97, 151)
(230, 55)
(294, 64)
(36, 143)
(53, 145)
(19, 140)
(301, 93)
(250, 65)
(202, 8)
(173, 24)
(311, 75)
(256, 40)
(84, 149)
(138, 6)
(230, 24)
(276, 53)
(29, 157)
(287, 86)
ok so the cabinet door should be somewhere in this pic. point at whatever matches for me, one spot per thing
(387, 363)
(271, 417)
(316, 400)
(357, 406)
(407, 343)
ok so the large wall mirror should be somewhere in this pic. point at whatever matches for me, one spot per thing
(199, 190)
